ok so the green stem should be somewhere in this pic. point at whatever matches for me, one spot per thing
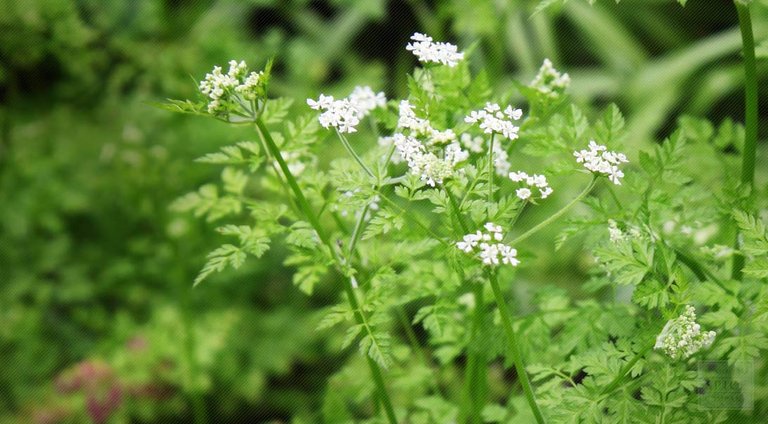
(514, 347)
(475, 377)
(556, 215)
(356, 231)
(701, 272)
(301, 200)
(490, 175)
(750, 124)
(354, 154)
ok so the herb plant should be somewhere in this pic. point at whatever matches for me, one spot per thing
(419, 225)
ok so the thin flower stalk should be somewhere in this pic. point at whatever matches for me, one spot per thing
(557, 214)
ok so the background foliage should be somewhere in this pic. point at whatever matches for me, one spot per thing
(97, 315)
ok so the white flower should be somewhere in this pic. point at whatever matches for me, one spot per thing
(340, 114)
(523, 193)
(428, 51)
(442, 137)
(682, 336)
(601, 161)
(454, 153)
(365, 100)
(531, 181)
(409, 120)
(549, 81)
(222, 89)
(345, 114)
(492, 120)
(431, 168)
(614, 233)
(500, 160)
(249, 89)
(489, 247)
(473, 144)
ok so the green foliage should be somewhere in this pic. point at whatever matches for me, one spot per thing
(98, 272)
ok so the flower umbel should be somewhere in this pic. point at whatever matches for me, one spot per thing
(223, 90)
(488, 246)
(601, 161)
(432, 169)
(549, 81)
(682, 336)
(531, 181)
(436, 52)
(345, 114)
(493, 120)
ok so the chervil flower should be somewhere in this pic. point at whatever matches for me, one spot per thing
(601, 161)
(682, 336)
(473, 144)
(223, 90)
(409, 120)
(428, 51)
(365, 100)
(488, 246)
(345, 114)
(432, 169)
(492, 120)
(549, 81)
(536, 181)
(340, 114)
(614, 232)
(455, 154)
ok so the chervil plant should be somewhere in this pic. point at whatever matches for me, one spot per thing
(423, 209)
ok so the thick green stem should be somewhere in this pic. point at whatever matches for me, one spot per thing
(306, 209)
(556, 215)
(750, 118)
(514, 347)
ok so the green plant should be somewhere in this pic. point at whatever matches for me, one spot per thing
(415, 238)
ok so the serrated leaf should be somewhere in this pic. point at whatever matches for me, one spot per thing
(720, 319)
(651, 294)
(276, 110)
(225, 256)
(233, 180)
(337, 314)
(377, 347)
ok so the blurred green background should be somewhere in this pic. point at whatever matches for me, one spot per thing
(98, 318)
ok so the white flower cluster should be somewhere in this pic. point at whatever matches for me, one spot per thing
(432, 169)
(219, 87)
(473, 144)
(420, 126)
(340, 114)
(493, 120)
(364, 99)
(489, 247)
(345, 114)
(428, 51)
(614, 232)
(531, 181)
(682, 336)
(476, 145)
(549, 81)
(601, 161)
